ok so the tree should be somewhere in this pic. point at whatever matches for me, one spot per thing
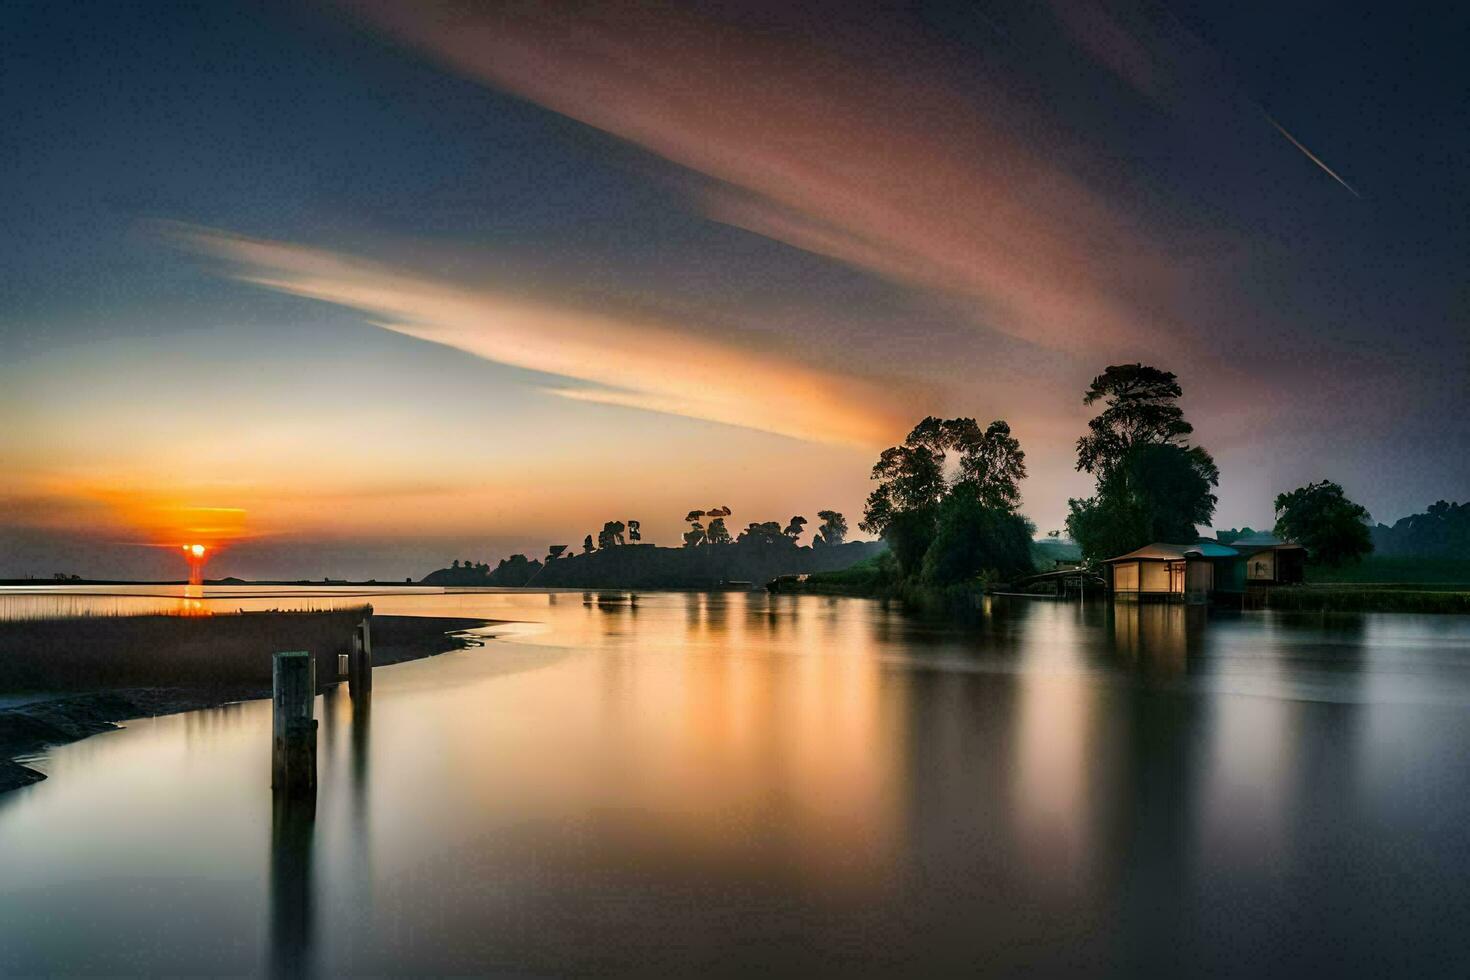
(1140, 410)
(991, 461)
(976, 539)
(833, 530)
(765, 533)
(718, 533)
(912, 476)
(1151, 485)
(909, 534)
(611, 534)
(587, 548)
(911, 479)
(1106, 525)
(1442, 531)
(794, 529)
(454, 564)
(695, 536)
(635, 532)
(934, 526)
(555, 551)
(1321, 518)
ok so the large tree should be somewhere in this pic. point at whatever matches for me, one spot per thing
(1321, 518)
(764, 533)
(1141, 409)
(1151, 484)
(975, 538)
(991, 461)
(717, 533)
(833, 530)
(951, 530)
(912, 476)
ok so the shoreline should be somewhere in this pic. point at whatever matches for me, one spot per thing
(36, 721)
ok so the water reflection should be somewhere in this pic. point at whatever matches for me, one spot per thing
(730, 782)
(292, 901)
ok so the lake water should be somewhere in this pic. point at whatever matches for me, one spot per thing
(731, 783)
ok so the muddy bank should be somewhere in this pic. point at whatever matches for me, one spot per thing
(62, 712)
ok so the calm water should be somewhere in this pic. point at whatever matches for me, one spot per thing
(727, 783)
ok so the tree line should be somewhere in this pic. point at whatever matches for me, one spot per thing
(708, 528)
(947, 498)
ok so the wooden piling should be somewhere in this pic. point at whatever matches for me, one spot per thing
(293, 731)
(360, 678)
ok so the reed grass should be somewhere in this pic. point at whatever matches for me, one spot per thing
(167, 650)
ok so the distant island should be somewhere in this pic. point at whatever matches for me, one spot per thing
(647, 566)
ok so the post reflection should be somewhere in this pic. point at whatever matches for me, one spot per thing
(362, 718)
(292, 898)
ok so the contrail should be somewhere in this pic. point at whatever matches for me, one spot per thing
(1312, 156)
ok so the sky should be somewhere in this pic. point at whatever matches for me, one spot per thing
(354, 288)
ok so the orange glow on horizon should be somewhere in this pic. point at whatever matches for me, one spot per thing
(195, 554)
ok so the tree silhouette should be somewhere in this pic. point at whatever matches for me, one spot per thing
(764, 533)
(1140, 410)
(912, 476)
(555, 551)
(951, 531)
(793, 530)
(717, 533)
(833, 530)
(611, 534)
(1320, 517)
(634, 531)
(1151, 485)
(587, 547)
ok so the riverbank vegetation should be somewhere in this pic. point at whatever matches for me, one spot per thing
(1374, 597)
(68, 678)
(710, 556)
(946, 507)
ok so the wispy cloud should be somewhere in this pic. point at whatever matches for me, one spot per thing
(636, 363)
(834, 148)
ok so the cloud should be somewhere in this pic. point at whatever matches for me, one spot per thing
(635, 363)
(834, 144)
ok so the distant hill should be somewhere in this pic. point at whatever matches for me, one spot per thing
(1048, 551)
(647, 566)
(1442, 531)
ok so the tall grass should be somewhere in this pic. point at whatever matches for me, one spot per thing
(1384, 570)
(1347, 598)
(227, 650)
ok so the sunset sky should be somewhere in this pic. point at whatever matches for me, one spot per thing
(356, 288)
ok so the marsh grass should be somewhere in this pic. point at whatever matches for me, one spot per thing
(1386, 597)
(167, 650)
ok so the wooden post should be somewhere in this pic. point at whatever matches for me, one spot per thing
(293, 731)
(360, 679)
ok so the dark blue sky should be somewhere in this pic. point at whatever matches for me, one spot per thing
(635, 261)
